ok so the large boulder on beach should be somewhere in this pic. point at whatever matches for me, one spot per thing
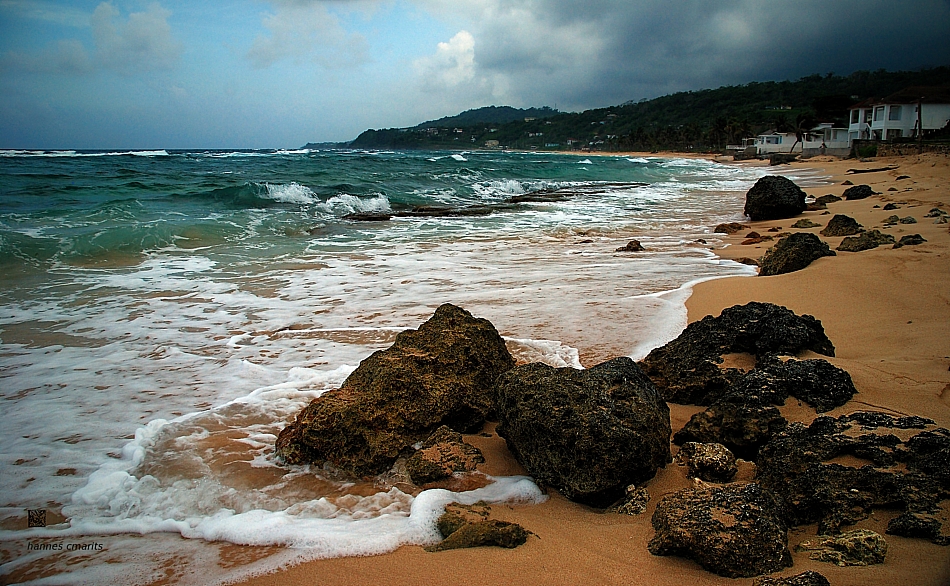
(588, 433)
(735, 531)
(774, 197)
(842, 225)
(858, 192)
(793, 253)
(688, 369)
(440, 374)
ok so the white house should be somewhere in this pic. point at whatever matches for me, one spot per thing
(824, 138)
(901, 114)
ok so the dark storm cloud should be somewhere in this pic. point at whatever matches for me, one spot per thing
(600, 53)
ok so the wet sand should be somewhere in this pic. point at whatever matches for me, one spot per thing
(888, 313)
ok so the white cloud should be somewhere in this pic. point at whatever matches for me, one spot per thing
(306, 32)
(143, 42)
(452, 64)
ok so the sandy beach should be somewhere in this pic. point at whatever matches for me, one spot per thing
(886, 310)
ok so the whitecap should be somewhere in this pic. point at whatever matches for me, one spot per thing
(458, 157)
(291, 193)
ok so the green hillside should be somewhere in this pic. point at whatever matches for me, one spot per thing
(704, 120)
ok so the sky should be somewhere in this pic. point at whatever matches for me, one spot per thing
(143, 74)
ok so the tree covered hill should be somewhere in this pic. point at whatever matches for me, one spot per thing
(701, 120)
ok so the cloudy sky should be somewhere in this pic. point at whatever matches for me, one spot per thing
(280, 73)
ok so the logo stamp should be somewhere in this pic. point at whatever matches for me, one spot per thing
(37, 517)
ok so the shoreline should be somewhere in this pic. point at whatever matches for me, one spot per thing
(887, 312)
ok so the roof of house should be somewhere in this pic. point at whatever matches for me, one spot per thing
(910, 95)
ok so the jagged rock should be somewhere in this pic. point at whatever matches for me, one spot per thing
(635, 503)
(817, 382)
(861, 547)
(805, 223)
(632, 246)
(730, 228)
(441, 455)
(913, 475)
(935, 213)
(891, 206)
(711, 462)
(891, 220)
(842, 225)
(734, 531)
(774, 197)
(910, 240)
(858, 192)
(440, 374)
(483, 533)
(827, 199)
(747, 261)
(908, 220)
(687, 370)
(793, 253)
(809, 578)
(743, 429)
(866, 241)
(588, 433)
(457, 515)
(847, 182)
(752, 235)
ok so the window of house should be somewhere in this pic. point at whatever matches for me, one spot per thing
(879, 113)
(895, 113)
(867, 115)
(855, 116)
(893, 133)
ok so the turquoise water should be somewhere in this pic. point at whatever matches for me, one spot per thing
(163, 314)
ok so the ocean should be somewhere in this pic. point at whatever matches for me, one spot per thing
(163, 314)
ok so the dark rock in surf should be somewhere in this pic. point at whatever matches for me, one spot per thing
(736, 531)
(588, 433)
(440, 374)
(632, 246)
(774, 197)
(730, 228)
(793, 253)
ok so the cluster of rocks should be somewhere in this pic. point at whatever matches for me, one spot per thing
(598, 435)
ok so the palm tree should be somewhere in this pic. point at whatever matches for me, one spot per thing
(804, 122)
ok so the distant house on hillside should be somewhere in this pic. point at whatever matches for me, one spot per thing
(900, 115)
(822, 139)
